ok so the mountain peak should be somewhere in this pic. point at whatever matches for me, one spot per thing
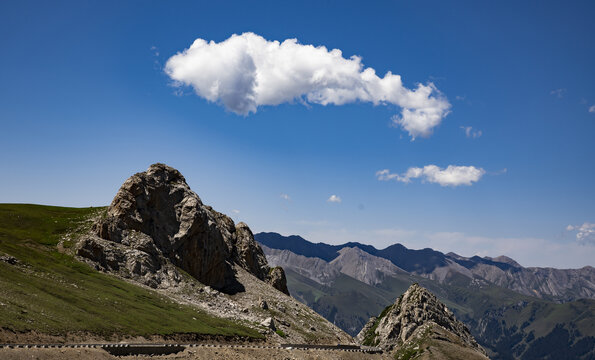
(505, 259)
(418, 320)
(156, 224)
(364, 267)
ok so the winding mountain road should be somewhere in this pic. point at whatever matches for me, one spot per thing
(124, 349)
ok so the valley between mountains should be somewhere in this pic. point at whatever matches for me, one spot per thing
(160, 266)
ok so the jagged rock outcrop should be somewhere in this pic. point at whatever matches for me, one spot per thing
(248, 254)
(156, 224)
(418, 321)
(278, 280)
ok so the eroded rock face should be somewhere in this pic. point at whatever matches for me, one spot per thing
(411, 317)
(278, 280)
(155, 222)
(248, 254)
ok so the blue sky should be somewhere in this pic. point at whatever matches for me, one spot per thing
(86, 101)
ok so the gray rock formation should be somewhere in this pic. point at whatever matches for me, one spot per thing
(156, 224)
(413, 320)
(277, 279)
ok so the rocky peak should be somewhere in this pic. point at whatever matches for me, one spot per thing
(156, 221)
(364, 267)
(416, 317)
(506, 260)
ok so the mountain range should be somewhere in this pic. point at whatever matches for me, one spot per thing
(511, 310)
(160, 265)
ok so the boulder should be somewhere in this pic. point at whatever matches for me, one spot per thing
(269, 323)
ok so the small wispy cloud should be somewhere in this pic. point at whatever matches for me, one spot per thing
(592, 109)
(334, 199)
(235, 211)
(585, 233)
(451, 176)
(471, 133)
(559, 93)
(460, 98)
(285, 197)
(156, 61)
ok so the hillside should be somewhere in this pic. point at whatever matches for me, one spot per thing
(48, 292)
(156, 262)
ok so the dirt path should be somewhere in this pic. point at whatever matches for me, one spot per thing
(190, 354)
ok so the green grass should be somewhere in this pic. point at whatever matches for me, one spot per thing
(309, 289)
(347, 303)
(53, 293)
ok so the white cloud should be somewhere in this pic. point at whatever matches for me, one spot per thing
(285, 197)
(247, 71)
(585, 233)
(592, 109)
(471, 133)
(559, 93)
(451, 176)
(235, 211)
(334, 199)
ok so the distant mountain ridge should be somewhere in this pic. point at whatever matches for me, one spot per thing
(547, 283)
(409, 260)
(354, 285)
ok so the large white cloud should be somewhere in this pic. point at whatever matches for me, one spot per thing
(451, 176)
(247, 71)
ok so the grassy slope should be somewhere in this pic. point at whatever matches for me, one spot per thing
(51, 292)
(348, 303)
